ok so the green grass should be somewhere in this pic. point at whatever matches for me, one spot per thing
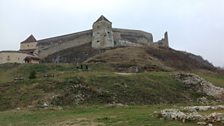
(101, 85)
(9, 71)
(214, 78)
(87, 115)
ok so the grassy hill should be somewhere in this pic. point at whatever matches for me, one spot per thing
(142, 78)
(101, 84)
(145, 58)
(152, 59)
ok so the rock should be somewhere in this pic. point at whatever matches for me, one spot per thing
(203, 100)
(173, 114)
(197, 108)
(194, 116)
(45, 105)
(191, 114)
(209, 124)
(201, 123)
(203, 108)
(198, 84)
(216, 117)
(116, 105)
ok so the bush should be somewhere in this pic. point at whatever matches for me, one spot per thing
(32, 75)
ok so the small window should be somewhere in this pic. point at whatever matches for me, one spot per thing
(8, 58)
(27, 45)
(109, 34)
(18, 58)
(97, 41)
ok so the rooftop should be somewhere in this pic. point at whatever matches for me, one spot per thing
(31, 38)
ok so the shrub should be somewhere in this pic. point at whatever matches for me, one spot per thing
(32, 75)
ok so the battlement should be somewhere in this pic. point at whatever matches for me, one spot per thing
(101, 36)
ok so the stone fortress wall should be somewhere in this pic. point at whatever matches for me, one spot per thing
(12, 57)
(101, 36)
(24, 55)
(50, 46)
(127, 37)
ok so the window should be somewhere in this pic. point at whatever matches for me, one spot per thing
(109, 34)
(8, 58)
(97, 41)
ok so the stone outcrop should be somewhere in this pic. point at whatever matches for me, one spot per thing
(203, 108)
(191, 114)
(196, 83)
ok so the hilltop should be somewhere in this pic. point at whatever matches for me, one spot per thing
(145, 58)
(116, 86)
(127, 75)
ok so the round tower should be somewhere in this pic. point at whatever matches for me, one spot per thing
(102, 34)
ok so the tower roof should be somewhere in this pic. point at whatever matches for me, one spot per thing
(31, 38)
(101, 18)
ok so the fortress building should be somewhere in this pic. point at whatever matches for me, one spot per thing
(101, 36)
(24, 55)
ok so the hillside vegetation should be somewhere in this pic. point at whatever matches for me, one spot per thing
(121, 86)
(71, 86)
(98, 85)
(128, 58)
(88, 116)
(152, 59)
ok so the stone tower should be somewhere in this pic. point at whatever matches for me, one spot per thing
(166, 39)
(102, 34)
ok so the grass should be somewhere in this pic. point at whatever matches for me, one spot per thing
(100, 85)
(9, 71)
(88, 115)
(214, 78)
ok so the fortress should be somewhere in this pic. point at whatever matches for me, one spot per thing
(101, 36)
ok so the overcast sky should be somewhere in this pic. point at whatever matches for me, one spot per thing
(195, 26)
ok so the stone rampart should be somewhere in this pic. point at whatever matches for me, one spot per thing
(135, 37)
(50, 46)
